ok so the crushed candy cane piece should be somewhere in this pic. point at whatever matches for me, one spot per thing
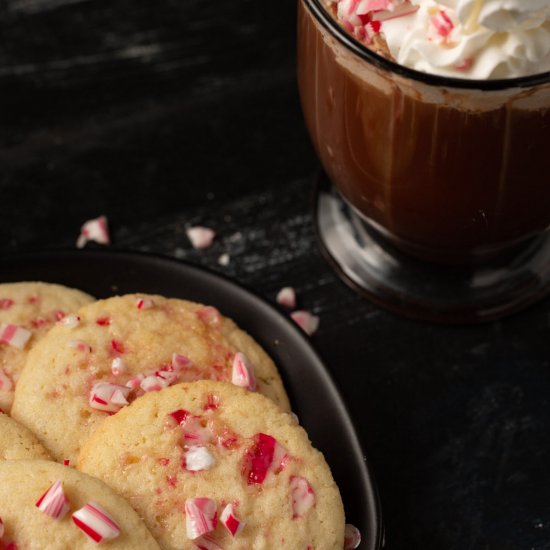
(242, 373)
(212, 402)
(144, 303)
(94, 230)
(96, 523)
(6, 383)
(201, 516)
(6, 303)
(53, 502)
(66, 462)
(118, 398)
(352, 537)
(14, 335)
(180, 362)
(153, 383)
(168, 375)
(80, 345)
(266, 455)
(200, 237)
(108, 397)
(118, 366)
(198, 458)
(70, 321)
(287, 297)
(399, 11)
(180, 416)
(59, 315)
(442, 23)
(134, 383)
(302, 496)
(104, 321)
(224, 259)
(10, 546)
(194, 432)
(308, 322)
(230, 520)
(117, 346)
(210, 315)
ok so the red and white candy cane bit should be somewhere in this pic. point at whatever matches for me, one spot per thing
(180, 416)
(210, 315)
(118, 366)
(144, 303)
(180, 362)
(242, 373)
(200, 237)
(308, 322)
(153, 383)
(59, 315)
(6, 303)
(104, 321)
(372, 28)
(465, 64)
(265, 456)
(375, 5)
(169, 376)
(14, 335)
(80, 345)
(287, 297)
(6, 383)
(66, 462)
(201, 516)
(401, 10)
(119, 398)
(96, 523)
(194, 433)
(94, 230)
(53, 502)
(352, 537)
(230, 520)
(117, 347)
(134, 382)
(442, 23)
(199, 458)
(108, 397)
(70, 321)
(302, 496)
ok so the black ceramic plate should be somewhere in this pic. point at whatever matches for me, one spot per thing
(314, 397)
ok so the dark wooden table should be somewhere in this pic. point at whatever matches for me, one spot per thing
(166, 114)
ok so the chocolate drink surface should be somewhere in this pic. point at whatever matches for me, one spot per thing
(447, 172)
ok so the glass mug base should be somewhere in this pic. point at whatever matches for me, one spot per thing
(409, 286)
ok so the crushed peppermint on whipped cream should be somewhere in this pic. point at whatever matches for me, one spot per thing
(476, 39)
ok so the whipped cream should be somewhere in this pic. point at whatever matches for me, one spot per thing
(477, 39)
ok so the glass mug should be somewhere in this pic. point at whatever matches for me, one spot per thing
(445, 182)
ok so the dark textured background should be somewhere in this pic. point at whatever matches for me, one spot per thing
(170, 113)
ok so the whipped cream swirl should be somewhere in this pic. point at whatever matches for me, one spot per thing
(478, 39)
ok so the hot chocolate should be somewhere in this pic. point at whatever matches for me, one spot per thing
(449, 169)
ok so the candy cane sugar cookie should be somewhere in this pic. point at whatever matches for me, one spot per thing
(210, 465)
(123, 347)
(16, 442)
(45, 505)
(27, 311)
